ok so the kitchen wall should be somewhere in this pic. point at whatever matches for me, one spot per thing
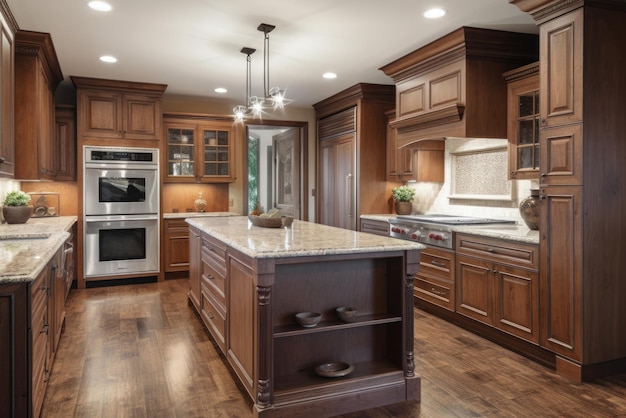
(479, 166)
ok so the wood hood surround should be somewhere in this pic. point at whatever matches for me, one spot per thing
(453, 87)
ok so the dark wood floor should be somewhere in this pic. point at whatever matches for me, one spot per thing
(140, 351)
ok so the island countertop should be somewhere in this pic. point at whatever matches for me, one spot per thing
(301, 239)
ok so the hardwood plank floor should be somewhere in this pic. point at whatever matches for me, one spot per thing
(140, 351)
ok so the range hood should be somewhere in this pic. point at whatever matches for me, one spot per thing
(453, 87)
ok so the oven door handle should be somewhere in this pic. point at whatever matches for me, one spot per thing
(109, 218)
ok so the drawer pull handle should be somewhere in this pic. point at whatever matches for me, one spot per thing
(210, 315)
(491, 250)
(437, 263)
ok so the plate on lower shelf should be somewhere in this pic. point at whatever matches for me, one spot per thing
(336, 369)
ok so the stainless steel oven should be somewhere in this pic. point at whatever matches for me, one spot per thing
(121, 208)
(121, 244)
(121, 181)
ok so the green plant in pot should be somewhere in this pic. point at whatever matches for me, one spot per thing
(16, 209)
(403, 198)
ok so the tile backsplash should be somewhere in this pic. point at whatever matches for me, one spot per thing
(439, 198)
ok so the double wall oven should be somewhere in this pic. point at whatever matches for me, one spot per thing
(121, 211)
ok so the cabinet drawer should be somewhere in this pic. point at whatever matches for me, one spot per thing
(436, 291)
(375, 227)
(176, 225)
(501, 251)
(437, 263)
(214, 282)
(214, 254)
(214, 318)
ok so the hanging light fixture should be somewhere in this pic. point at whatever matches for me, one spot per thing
(273, 97)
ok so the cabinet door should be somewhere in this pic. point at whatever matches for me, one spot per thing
(180, 152)
(516, 302)
(65, 144)
(338, 193)
(141, 117)
(216, 162)
(176, 245)
(195, 245)
(474, 289)
(100, 113)
(561, 155)
(561, 72)
(561, 270)
(7, 151)
(57, 302)
(523, 114)
(46, 127)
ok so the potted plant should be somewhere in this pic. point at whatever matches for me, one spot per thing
(403, 198)
(16, 209)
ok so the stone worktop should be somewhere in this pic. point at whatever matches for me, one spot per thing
(301, 239)
(25, 249)
(512, 232)
(183, 215)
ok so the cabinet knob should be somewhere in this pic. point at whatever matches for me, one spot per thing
(1, 160)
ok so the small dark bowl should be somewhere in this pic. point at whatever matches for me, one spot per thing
(346, 314)
(308, 319)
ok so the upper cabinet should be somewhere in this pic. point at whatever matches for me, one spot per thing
(523, 119)
(198, 148)
(65, 143)
(7, 152)
(119, 110)
(453, 87)
(37, 74)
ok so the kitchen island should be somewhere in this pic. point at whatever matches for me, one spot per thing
(247, 283)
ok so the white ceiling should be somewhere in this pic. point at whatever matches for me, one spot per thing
(194, 46)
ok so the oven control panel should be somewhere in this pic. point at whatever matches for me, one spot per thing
(421, 234)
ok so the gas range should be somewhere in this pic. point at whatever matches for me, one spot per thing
(434, 229)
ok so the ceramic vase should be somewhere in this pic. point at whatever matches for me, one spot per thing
(200, 203)
(403, 208)
(17, 214)
(529, 209)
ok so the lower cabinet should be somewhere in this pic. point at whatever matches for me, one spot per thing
(195, 267)
(435, 280)
(175, 245)
(31, 320)
(497, 283)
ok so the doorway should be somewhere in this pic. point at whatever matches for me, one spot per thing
(276, 161)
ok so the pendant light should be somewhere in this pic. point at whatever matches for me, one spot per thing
(273, 97)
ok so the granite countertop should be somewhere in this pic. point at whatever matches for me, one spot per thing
(518, 232)
(25, 249)
(301, 239)
(183, 215)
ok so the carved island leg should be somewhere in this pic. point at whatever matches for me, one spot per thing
(265, 351)
(409, 369)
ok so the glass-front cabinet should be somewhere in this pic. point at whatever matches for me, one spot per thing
(523, 121)
(198, 150)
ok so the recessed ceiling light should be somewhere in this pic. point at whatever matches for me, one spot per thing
(220, 90)
(434, 13)
(100, 6)
(329, 75)
(108, 58)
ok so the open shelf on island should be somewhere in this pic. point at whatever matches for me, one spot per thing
(335, 324)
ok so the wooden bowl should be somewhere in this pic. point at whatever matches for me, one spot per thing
(308, 319)
(265, 222)
(346, 314)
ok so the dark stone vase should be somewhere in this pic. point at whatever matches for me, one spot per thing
(529, 209)
(403, 208)
(17, 214)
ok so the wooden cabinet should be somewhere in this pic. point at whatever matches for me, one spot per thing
(119, 110)
(198, 148)
(195, 267)
(523, 121)
(561, 46)
(373, 226)
(7, 94)
(31, 319)
(435, 280)
(352, 130)
(561, 155)
(453, 87)
(37, 74)
(497, 283)
(249, 305)
(65, 143)
(175, 245)
(562, 271)
(69, 261)
(213, 288)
